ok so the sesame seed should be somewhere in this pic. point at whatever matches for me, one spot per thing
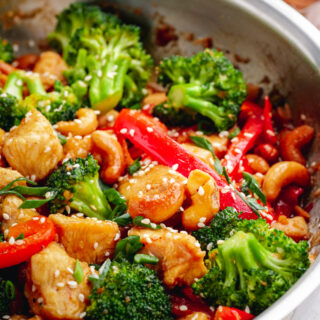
(149, 129)
(270, 132)
(11, 240)
(181, 209)
(183, 308)
(107, 254)
(209, 246)
(5, 216)
(123, 130)
(95, 245)
(68, 209)
(40, 300)
(43, 220)
(165, 180)
(201, 225)
(131, 132)
(82, 315)
(117, 237)
(70, 270)
(60, 284)
(146, 221)
(201, 191)
(249, 135)
(175, 167)
(110, 117)
(33, 288)
(77, 121)
(88, 78)
(148, 186)
(99, 73)
(224, 134)
(237, 150)
(81, 297)
(148, 240)
(6, 232)
(203, 219)
(220, 241)
(172, 180)
(6, 317)
(72, 284)
(57, 273)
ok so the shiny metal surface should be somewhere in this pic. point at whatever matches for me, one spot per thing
(282, 46)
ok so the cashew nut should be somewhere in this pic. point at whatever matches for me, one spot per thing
(154, 98)
(85, 124)
(282, 174)
(113, 164)
(295, 228)
(108, 119)
(196, 316)
(257, 163)
(204, 195)
(293, 142)
(156, 194)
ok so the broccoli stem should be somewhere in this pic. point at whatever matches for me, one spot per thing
(89, 199)
(107, 83)
(14, 84)
(185, 95)
(35, 85)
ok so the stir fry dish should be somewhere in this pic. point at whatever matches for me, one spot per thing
(126, 198)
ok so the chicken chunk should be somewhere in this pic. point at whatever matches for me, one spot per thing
(51, 289)
(86, 239)
(7, 175)
(11, 214)
(200, 153)
(33, 147)
(196, 316)
(50, 67)
(179, 254)
(157, 194)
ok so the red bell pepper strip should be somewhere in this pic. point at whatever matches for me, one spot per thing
(244, 141)
(38, 233)
(268, 130)
(227, 313)
(144, 132)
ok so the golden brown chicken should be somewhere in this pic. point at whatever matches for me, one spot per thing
(179, 254)
(11, 214)
(51, 289)
(33, 147)
(86, 239)
(7, 175)
(196, 316)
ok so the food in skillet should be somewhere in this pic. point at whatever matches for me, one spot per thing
(120, 201)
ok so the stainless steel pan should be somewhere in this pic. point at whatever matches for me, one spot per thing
(277, 46)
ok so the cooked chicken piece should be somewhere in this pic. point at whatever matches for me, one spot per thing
(20, 317)
(196, 316)
(157, 194)
(77, 147)
(86, 239)
(51, 289)
(33, 147)
(7, 175)
(11, 214)
(50, 67)
(179, 254)
(296, 227)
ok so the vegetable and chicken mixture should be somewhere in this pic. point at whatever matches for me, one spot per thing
(126, 199)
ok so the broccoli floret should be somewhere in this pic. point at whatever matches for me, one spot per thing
(253, 266)
(6, 51)
(117, 65)
(11, 109)
(129, 291)
(58, 105)
(80, 179)
(206, 83)
(106, 54)
(220, 228)
(7, 294)
(78, 15)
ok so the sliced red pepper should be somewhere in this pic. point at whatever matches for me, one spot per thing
(268, 152)
(38, 233)
(245, 140)
(268, 130)
(144, 133)
(227, 313)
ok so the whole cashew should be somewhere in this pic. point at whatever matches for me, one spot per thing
(113, 159)
(86, 123)
(282, 174)
(204, 195)
(257, 163)
(293, 142)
